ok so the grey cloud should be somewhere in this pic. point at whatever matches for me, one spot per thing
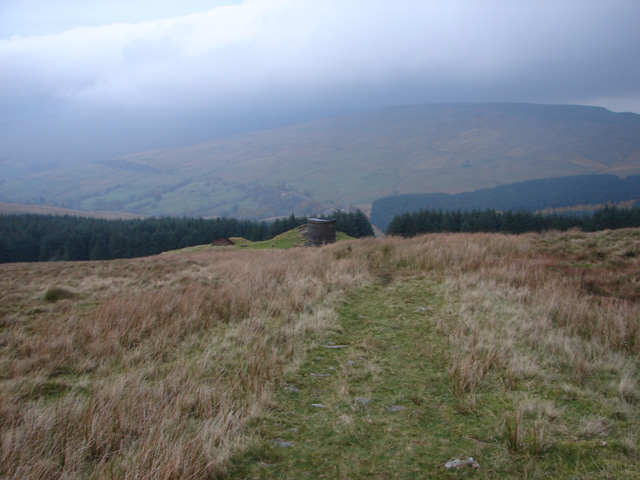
(274, 61)
(531, 49)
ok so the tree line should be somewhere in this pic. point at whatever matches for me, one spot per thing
(531, 196)
(489, 220)
(42, 238)
(355, 224)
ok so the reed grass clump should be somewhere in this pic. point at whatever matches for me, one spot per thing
(53, 294)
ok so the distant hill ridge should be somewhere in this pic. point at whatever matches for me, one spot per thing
(313, 167)
(16, 208)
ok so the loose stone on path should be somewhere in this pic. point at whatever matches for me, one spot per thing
(278, 442)
(395, 408)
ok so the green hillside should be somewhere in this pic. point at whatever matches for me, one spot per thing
(308, 168)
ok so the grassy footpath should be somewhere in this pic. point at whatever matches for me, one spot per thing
(358, 434)
(391, 407)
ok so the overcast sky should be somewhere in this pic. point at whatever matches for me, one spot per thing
(271, 61)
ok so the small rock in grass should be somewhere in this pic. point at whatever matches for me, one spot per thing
(318, 405)
(363, 400)
(278, 442)
(290, 387)
(395, 408)
(456, 462)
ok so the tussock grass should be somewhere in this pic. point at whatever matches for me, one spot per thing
(467, 369)
(53, 294)
(163, 367)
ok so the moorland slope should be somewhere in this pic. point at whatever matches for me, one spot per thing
(352, 160)
(363, 358)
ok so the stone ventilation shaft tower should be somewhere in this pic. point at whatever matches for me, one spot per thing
(321, 231)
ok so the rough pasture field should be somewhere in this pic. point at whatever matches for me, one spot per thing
(518, 351)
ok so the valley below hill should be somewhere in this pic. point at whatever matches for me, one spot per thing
(314, 167)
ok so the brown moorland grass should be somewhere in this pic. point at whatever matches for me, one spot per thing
(155, 367)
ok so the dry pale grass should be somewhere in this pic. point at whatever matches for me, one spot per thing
(517, 317)
(467, 370)
(155, 367)
(532, 269)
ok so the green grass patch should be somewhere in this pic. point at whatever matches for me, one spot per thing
(292, 238)
(376, 400)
